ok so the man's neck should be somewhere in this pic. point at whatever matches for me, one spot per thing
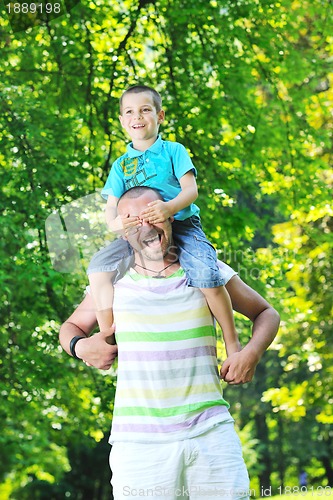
(156, 268)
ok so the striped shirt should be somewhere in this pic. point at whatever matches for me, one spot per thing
(168, 386)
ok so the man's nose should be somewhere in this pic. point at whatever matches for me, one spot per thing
(145, 223)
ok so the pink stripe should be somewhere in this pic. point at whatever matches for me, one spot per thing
(193, 352)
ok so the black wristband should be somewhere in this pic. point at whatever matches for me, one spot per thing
(73, 343)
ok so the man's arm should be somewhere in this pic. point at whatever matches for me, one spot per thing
(95, 350)
(239, 368)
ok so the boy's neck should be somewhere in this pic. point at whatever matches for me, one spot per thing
(143, 145)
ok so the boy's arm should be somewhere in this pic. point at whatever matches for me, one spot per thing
(111, 211)
(159, 210)
(239, 368)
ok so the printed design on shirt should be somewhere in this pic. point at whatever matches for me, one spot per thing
(129, 166)
(141, 175)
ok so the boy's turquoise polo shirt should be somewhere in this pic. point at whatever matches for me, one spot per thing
(160, 167)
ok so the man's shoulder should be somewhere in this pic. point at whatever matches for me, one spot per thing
(226, 271)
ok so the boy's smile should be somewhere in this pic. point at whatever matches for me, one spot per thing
(140, 119)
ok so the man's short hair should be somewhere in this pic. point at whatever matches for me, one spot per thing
(138, 89)
(137, 191)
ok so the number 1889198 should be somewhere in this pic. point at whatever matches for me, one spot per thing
(33, 8)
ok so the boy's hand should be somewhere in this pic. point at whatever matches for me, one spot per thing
(157, 212)
(125, 225)
(131, 224)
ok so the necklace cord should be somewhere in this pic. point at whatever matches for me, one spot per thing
(158, 273)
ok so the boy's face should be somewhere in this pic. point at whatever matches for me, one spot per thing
(140, 119)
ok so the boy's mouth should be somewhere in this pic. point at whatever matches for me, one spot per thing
(141, 125)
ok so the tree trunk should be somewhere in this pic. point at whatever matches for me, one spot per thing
(328, 469)
(265, 459)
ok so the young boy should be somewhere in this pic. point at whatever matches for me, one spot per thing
(167, 167)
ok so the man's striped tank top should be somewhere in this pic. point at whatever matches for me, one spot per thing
(168, 386)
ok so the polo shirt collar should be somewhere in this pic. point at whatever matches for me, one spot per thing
(154, 148)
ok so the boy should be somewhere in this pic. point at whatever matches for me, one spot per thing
(167, 167)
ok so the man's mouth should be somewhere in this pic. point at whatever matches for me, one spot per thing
(153, 240)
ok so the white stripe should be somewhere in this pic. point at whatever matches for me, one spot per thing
(164, 364)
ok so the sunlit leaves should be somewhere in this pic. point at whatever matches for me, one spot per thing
(247, 87)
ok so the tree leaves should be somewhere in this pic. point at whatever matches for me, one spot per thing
(247, 88)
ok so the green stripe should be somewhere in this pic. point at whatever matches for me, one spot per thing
(143, 411)
(192, 333)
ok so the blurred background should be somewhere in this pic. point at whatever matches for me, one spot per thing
(247, 87)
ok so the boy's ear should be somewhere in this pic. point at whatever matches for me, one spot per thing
(121, 120)
(161, 116)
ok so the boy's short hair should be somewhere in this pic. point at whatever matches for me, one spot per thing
(137, 89)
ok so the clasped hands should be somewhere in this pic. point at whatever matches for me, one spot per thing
(98, 350)
(239, 367)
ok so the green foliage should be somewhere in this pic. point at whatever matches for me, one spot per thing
(247, 88)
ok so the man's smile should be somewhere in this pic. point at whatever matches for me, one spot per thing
(152, 240)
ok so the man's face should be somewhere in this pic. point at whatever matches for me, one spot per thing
(153, 241)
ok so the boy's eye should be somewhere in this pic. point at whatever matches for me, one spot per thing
(146, 110)
(128, 112)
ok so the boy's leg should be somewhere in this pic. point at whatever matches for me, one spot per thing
(219, 303)
(106, 267)
(198, 258)
(102, 293)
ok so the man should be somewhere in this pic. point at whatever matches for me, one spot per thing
(172, 434)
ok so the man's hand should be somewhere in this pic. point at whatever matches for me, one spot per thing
(157, 212)
(239, 368)
(98, 350)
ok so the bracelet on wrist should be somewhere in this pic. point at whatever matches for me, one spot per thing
(73, 343)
